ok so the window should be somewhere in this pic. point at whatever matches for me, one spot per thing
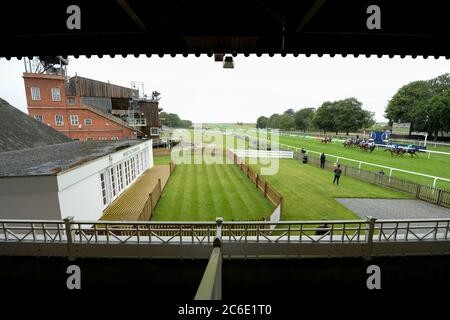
(59, 120)
(120, 177)
(154, 131)
(133, 169)
(113, 182)
(39, 117)
(138, 167)
(145, 159)
(56, 94)
(35, 93)
(103, 186)
(71, 101)
(89, 138)
(74, 119)
(127, 173)
(88, 122)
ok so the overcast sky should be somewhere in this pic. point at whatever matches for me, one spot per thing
(200, 90)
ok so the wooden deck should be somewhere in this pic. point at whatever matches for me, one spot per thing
(129, 205)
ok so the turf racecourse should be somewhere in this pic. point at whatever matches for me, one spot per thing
(437, 165)
(198, 192)
(309, 193)
(202, 192)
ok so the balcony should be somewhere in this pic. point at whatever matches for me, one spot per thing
(139, 122)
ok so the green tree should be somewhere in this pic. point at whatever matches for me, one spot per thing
(349, 116)
(287, 122)
(262, 122)
(274, 121)
(174, 121)
(422, 103)
(303, 118)
(406, 105)
(439, 113)
(324, 117)
(186, 124)
(289, 111)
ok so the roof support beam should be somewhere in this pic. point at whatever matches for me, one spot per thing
(132, 14)
(311, 13)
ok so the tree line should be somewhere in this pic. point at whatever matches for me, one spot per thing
(424, 104)
(174, 121)
(342, 115)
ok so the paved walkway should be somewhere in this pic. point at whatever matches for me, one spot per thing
(395, 208)
(129, 205)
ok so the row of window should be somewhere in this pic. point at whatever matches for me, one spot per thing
(36, 94)
(117, 178)
(101, 138)
(59, 120)
(56, 95)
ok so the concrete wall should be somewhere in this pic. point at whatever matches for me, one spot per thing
(29, 198)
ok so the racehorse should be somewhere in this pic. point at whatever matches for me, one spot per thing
(396, 151)
(325, 140)
(348, 143)
(367, 146)
(412, 152)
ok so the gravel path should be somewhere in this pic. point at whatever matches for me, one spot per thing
(394, 208)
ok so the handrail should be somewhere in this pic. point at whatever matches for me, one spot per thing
(210, 286)
(357, 238)
(214, 223)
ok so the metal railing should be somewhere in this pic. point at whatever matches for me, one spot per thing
(355, 238)
(210, 287)
(137, 122)
(244, 238)
(426, 193)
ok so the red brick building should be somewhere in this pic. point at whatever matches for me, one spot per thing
(86, 109)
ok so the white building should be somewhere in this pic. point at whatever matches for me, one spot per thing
(78, 179)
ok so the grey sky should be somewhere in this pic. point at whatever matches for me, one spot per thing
(200, 90)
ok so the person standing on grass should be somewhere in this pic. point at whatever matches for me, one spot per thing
(337, 174)
(322, 160)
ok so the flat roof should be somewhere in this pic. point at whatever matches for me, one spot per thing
(49, 160)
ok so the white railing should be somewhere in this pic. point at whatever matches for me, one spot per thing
(337, 140)
(92, 238)
(360, 163)
(250, 153)
(137, 122)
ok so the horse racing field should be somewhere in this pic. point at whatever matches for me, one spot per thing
(197, 192)
(438, 164)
